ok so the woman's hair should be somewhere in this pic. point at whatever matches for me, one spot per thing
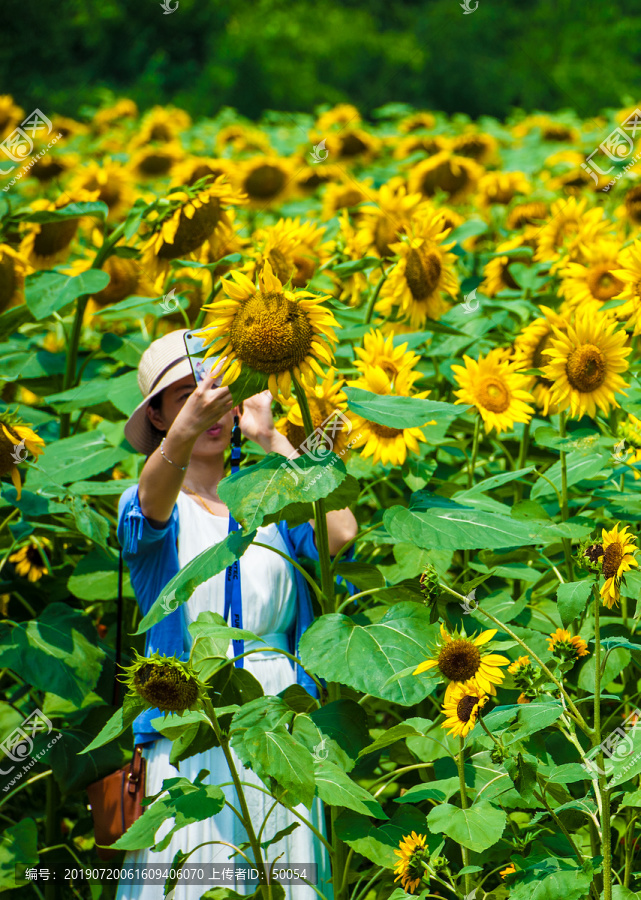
(156, 403)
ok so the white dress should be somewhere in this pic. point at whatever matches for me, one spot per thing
(269, 608)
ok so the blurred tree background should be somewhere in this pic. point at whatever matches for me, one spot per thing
(296, 54)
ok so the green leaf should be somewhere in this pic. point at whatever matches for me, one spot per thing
(248, 383)
(552, 882)
(94, 208)
(579, 466)
(617, 660)
(571, 600)
(344, 270)
(346, 494)
(344, 723)
(400, 412)
(47, 292)
(274, 483)
(18, 847)
(378, 843)
(364, 657)
(89, 522)
(336, 788)
(74, 771)
(95, 576)
(395, 733)
(72, 459)
(131, 708)
(477, 828)
(12, 319)
(197, 571)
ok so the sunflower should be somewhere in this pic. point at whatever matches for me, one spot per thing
(340, 115)
(496, 274)
(501, 187)
(310, 177)
(569, 228)
(566, 645)
(522, 663)
(13, 269)
(325, 400)
(632, 204)
(266, 180)
(350, 143)
(410, 869)
(475, 145)
(418, 121)
(379, 350)
(156, 162)
(524, 214)
(10, 115)
(113, 182)
(592, 281)
(194, 168)
(344, 195)
(53, 165)
(423, 274)
(528, 354)
(568, 174)
(458, 658)
(68, 128)
(272, 330)
(164, 683)
(44, 245)
(584, 364)
(424, 143)
(630, 430)
(619, 549)
(550, 129)
(114, 115)
(495, 388)
(629, 273)
(31, 560)
(160, 126)
(294, 249)
(387, 219)
(385, 443)
(15, 441)
(457, 176)
(510, 870)
(182, 227)
(242, 138)
(461, 706)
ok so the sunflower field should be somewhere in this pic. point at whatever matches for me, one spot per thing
(464, 298)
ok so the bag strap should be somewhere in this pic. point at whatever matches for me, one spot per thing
(114, 699)
(233, 594)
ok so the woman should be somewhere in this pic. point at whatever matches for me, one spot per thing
(172, 515)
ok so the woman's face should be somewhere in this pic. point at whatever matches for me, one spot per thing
(212, 442)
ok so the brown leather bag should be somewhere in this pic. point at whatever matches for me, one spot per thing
(116, 803)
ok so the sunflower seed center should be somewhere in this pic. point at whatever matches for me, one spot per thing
(586, 368)
(459, 660)
(612, 560)
(465, 707)
(422, 273)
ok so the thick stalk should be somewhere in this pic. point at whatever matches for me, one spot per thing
(475, 449)
(606, 838)
(369, 311)
(567, 545)
(465, 853)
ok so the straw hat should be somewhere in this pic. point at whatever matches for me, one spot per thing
(163, 362)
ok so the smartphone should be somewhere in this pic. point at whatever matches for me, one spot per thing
(196, 349)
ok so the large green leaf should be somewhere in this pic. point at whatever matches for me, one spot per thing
(18, 847)
(73, 771)
(94, 208)
(365, 657)
(274, 483)
(477, 828)
(378, 843)
(579, 466)
(197, 571)
(453, 529)
(336, 788)
(47, 292)
(131, 708)
(346, 494)
(571, 599)
(553, 879)
(55, 653)
(96, 576)
(400, 412)
(72, 459)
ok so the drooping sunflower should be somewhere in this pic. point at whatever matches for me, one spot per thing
(379, 350)
(566, 645)
(345, 195)
(160, 126)
(295, 249)
(528, 354)
(519, 665)
(13, 269)
(350, 143)
(570, 226)
(496, 274)
(68, 128)
(192, 169)
(326, 399)
(593, 281)
(501, 187)
(629, 274)
(105, 118)
(338, 117)
(524, 214)
(476, 145)
(384, 222)
(182, 227)
(241, 138)
(165, 683)
(16, 441)
(156, 161)
(385, 443)
(458, 658)
(113, 182)
(619, 548)
(44, 245)
(423, 274)
(418, 121)
(310, 177)
(457, 176)
(427, 144)
(10, 115)
(53, 165)
(461, 706)
(410, 869)
(266, 180)
(270, 329)
(31, 560)
(550, 129)
(585, 362)
(567, 174)
(496, 389)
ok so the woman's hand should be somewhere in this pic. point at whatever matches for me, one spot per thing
(257, 423)
(205, 406)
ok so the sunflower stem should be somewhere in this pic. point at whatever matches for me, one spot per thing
(369, 311)
(460, 765)
(606, 839)
(475, 450)
(567, 546)
(523, 448)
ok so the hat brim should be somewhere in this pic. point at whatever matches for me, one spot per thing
(139, 431)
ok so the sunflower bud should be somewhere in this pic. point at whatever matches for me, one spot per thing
(498, 754)
(590, 555)
(165, 683)
(430, 584)
(439, 863)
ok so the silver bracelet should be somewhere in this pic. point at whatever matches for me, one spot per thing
(171, 463)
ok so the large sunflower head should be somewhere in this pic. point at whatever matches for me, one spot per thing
(594, 280)
(294, 250)
(13, 269)
(457, 176)
(619, 549)
(273, 330)
(461, 706)
(502, 187)
(476, 145)
(32, 559)
(350, 143)
(188, 220)
(325, 400)
(528, 354)
(16, 441)
(379, 350)
(567, 646)
(585, 362)
(424, 273)
(44, 245)
(569, 227)
(164, 683)
(53, 165)
(410, 868)
(113, 182)
(495, 388)
(459, 658)
(384, 222)
(156, 161)
(266, 180)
